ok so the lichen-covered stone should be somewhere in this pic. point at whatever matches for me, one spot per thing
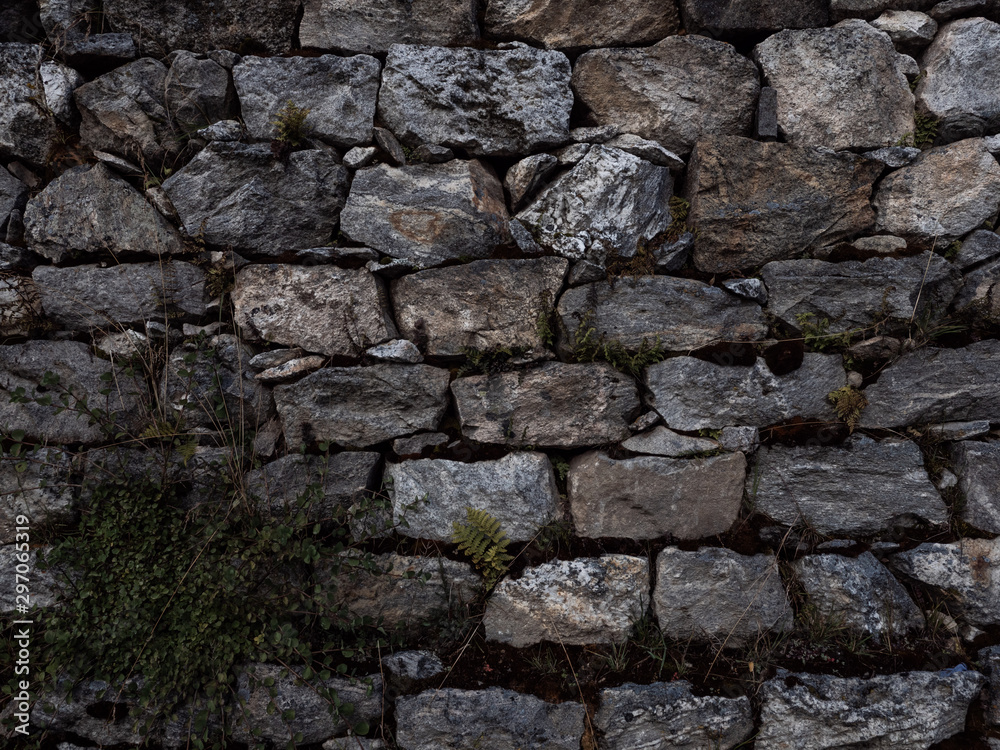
(978, 468)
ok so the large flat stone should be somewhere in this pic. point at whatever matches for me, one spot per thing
(978, 468)
(43, 491)
(747, 16)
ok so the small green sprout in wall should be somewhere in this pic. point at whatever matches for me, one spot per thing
(482, 539)
(290, 129)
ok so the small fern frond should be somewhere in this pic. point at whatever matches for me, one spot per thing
(848, 403)
(483, 540)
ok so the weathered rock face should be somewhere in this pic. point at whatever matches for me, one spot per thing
(323, 309)
(675, 92)
(980, 294)
(755, 202)
(857, 593)
(45, 586)
(519, 490)
(650, 497)
(339, 93)
(198, 92)
(92, 210)
(691, 394)
(13, 195)
(488, 102)
(43, 491)
(485, 305)
(861, 488)
(241, 196)
(667, 714)
(989, 658)
(20, 306)
(679, 314)
(581, 23)
(944, 194)
(978, 469)
(493, 719)
(841, 87)
(719, 596)
(428, 213)
(752, 15)
(936, 385)
(870, 9)
(554, 405)
(663, 442)
(907, 710)
(910, 30)
(362, 406)
(582, 601)
(966, 52)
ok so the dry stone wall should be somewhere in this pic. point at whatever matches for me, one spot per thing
(700, 303)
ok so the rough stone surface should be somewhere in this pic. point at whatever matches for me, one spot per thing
(663, 442)
(944, 194)
(323, 309)
(397, 350)
(989, 658)
(43, 491)
(980, 295)
(650, 497)
(744, 16)
(755, 202)
(414, 446)
(860, 488)
(744, 439)
(239, 195)
(894, 156)
(978, 469)
(667, 715)
(979, 246)
(20, 306)
(362, 406)
(13, 195)
(651, 151)
(493, 719)
(554, 405)
(752, 289)
(910, 30)
(519, 490)
(428, 213)
(525, 177)
(485, 305)
(488, 102)
(578, 602)
(908, 711)
(198, 92)
(675, 92)
(692, 394)
(719, 596)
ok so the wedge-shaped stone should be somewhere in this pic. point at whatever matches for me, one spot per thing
(743, 16)
(484, 305)
(43, 491)
(691, 394)
(650, 497)
(907, 711)
(980, 294)
(674, 92)
(755, 202)
(978, 469)
(663, 442)
(323, 309)
(488, 102)
(582, 601)
(362, 406)
(428, 213)
(910, 30)
(718, 596)
(860, 488)
(554, 405)
(937, 385)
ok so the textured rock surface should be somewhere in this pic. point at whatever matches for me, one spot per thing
(496, 102)
(198, 92)
(719, 596)
(663, 442)
(582, 601)
(755, 202)
(649, 497)
(910, 30)
(493, 719)
(20, 306)
(675, 92)
(752, 15)
(978, 469)
(44, 590)
(43, 491)
(525, 177)
(554, 405)
(980, 294)
(519, 490)
(692, 394)
(989, 658)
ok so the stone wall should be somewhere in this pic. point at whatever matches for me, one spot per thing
(708, 295)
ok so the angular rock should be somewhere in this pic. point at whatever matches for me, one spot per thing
(519, 490)
(582, 601)
(909, 30)
(414, 446)
(43, 491)
(100, 50)
(290, 370)
(910, 710)
(936, 385)
(323, 309)
(960, 430)
(668, 715)
(429, 153)
(980, 295)
(362, 406)
(428, 213)
(979, 246)
(44, 588)
(20, 306)
(692, 394)
(675, 92)
(360, 157)
(894, 157)
(489, 102)
(651, 151)
(944, 194)
(676, 314)
(373, 26)
(13, 195)
(198, 92)
(553, 405)
(526, 176)
(857, 593)
(719, 596)
(871, 9)
(397, 350)
(743, 439)
(751, 289)
(339, 93)
(840, 87)
(663, 442)
(604, 206)
(486, 305)
(239, 195)
(755, 202)
(412, 666)
(492, 719)
(978, 469)
(82, 298)
(989, 658)
(861, 488)
(747, 16)
(649, 497)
